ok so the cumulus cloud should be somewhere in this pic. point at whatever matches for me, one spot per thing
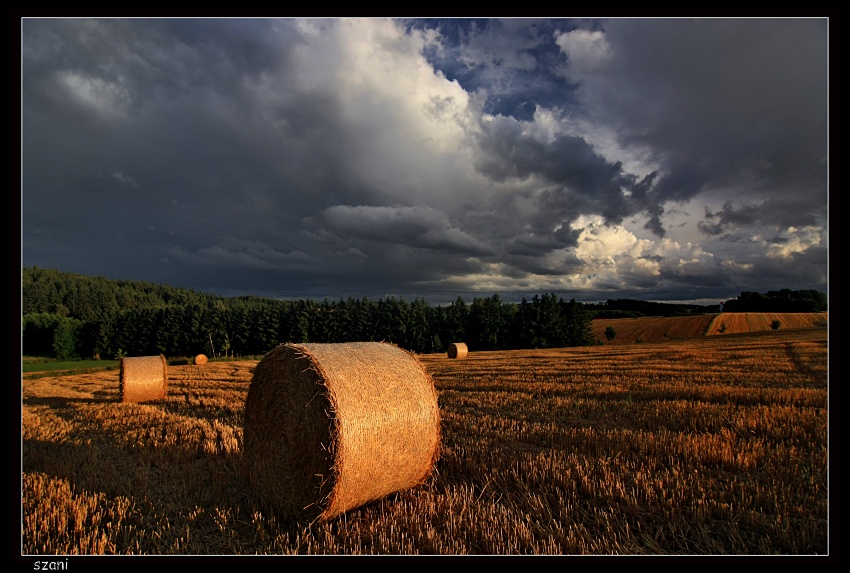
(586, 50)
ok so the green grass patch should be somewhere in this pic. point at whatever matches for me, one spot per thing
(38, 366)
(81, 366)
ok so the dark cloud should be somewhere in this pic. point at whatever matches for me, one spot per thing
(418, 227)
(717, 100)
(574, 178)
(716, 223)
(372, 157)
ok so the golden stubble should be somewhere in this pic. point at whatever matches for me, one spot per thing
(711, 446)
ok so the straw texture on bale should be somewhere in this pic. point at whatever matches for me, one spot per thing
(201, 359)
(143, 378)
(331, 427)
(458, 350)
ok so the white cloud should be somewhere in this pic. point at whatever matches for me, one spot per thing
(384, 82)
(613, 255)
(611, 252)
(585, 50)
(123, 179)
(405, 126)
(99, 96)
(795, 241)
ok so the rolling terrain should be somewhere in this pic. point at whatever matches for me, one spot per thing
(665, 329)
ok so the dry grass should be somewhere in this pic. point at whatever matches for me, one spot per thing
(711, 446)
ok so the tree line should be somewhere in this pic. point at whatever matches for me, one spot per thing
(631, 308)
(784, 300)
(66, 315)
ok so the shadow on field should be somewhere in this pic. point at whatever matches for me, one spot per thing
(171, 475)
(101, 445)
(64, 401)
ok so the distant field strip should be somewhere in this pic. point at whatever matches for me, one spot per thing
(737, 322)
(663, 329)
(652, 328)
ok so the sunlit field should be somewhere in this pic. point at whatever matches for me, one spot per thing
(665, 329)
(709, 446)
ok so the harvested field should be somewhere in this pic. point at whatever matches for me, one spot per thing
(715, 445)
(735, 322)
(664, 329)
(652, 328)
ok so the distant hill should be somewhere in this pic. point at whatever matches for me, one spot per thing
(736, 322)
(661, 329)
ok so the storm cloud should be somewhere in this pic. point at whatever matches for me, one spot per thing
(660, 159)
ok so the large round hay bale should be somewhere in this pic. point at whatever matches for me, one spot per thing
(458, 350)
(143, 378)
(200, 359)
(330, 427)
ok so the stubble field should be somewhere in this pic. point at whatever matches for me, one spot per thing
(709, 446)
(665, 329)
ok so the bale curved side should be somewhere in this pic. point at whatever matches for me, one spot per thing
(143, 378)
(331, 427)
(458, 350)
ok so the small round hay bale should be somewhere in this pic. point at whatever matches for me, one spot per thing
(458, 350)
(143, 378)
(331, 427)
(201, 359)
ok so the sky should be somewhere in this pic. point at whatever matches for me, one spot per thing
(664, 159)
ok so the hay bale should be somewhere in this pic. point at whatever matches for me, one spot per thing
(331, 427)
(200, 359)
(458, 350)
(143, 378)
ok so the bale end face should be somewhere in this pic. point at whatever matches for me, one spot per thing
(458, 350)
(331, 427)
(201, 359)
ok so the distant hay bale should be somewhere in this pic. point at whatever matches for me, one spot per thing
(143, 378)
(201, 359)
(458, 350)
(331, 427)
